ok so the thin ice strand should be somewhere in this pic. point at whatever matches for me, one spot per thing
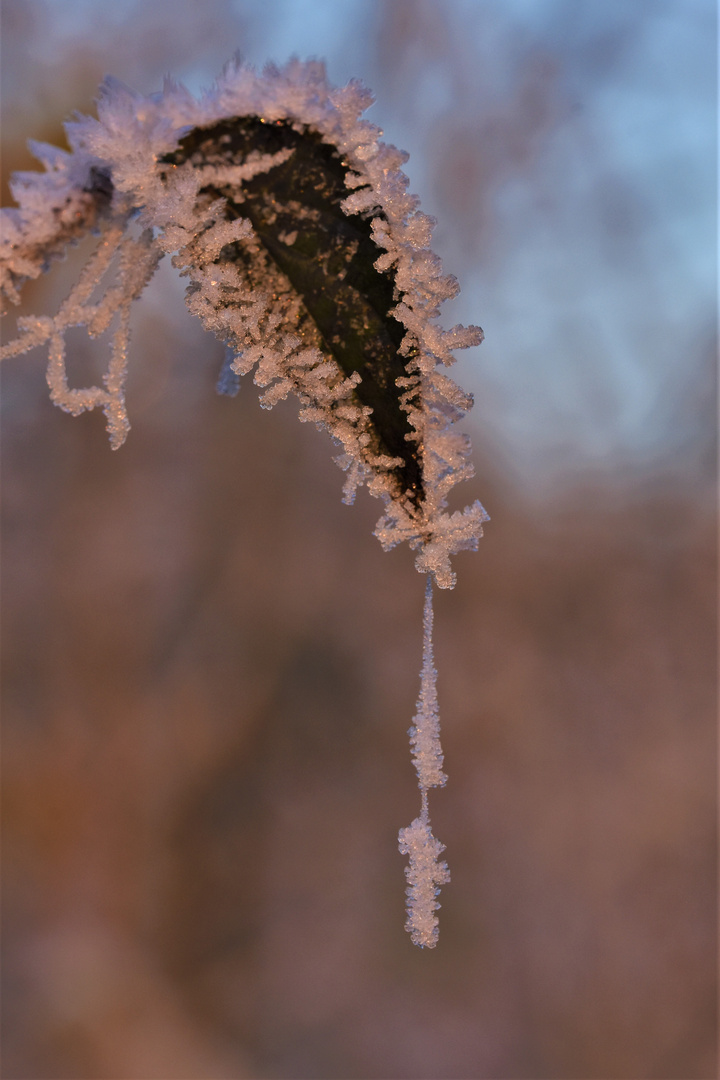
(424, 873)
(425, 732)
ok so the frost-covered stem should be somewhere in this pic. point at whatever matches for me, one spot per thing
(137, 259)
(64, 210)
(424, 873)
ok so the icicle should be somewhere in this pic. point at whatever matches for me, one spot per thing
(424, 873)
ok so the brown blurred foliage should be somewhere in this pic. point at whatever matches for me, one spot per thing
(209, 668)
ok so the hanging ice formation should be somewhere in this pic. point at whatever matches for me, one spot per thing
(306, 255)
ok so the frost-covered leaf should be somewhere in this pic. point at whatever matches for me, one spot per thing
(327, 253)
(304, 254)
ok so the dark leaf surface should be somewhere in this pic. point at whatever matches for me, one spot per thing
(330, 264)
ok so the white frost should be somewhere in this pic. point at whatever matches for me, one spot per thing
(135, 261)
(425, 732)
(424, 876)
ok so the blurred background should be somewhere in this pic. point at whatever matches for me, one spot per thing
(210, 665)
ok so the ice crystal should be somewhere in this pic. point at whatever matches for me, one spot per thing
(424, 875)
(306, 255)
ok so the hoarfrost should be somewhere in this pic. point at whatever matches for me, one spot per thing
(424, 874)
(425, 732)
(127, 165)
(307, 256)
(136, 261)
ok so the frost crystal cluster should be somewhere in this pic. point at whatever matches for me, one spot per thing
(307, 257)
